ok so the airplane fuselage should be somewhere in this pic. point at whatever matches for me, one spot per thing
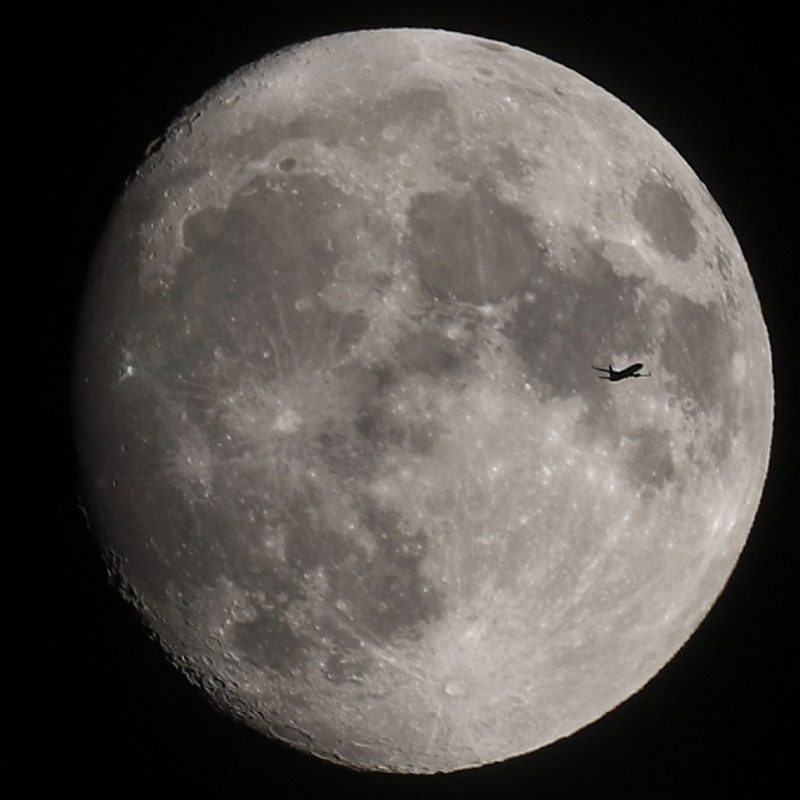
(633, 371)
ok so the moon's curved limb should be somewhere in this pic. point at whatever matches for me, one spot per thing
(341, 438)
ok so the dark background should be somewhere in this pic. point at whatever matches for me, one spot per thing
(103, 712)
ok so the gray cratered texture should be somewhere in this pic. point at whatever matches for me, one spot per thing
(342, 441)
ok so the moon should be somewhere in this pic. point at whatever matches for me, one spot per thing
(341, 439)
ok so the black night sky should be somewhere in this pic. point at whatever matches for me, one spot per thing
(104, 709)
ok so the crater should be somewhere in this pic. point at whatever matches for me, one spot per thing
(651, 460)
(268, 641)
(495, 47)
(351, 666)
(455, 689)
(288, 421)
(666, 216)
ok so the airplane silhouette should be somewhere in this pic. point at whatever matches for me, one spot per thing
(633, 371)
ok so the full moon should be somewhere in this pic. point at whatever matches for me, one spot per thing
(341, 438)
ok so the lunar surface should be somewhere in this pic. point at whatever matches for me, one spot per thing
(342, 440)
